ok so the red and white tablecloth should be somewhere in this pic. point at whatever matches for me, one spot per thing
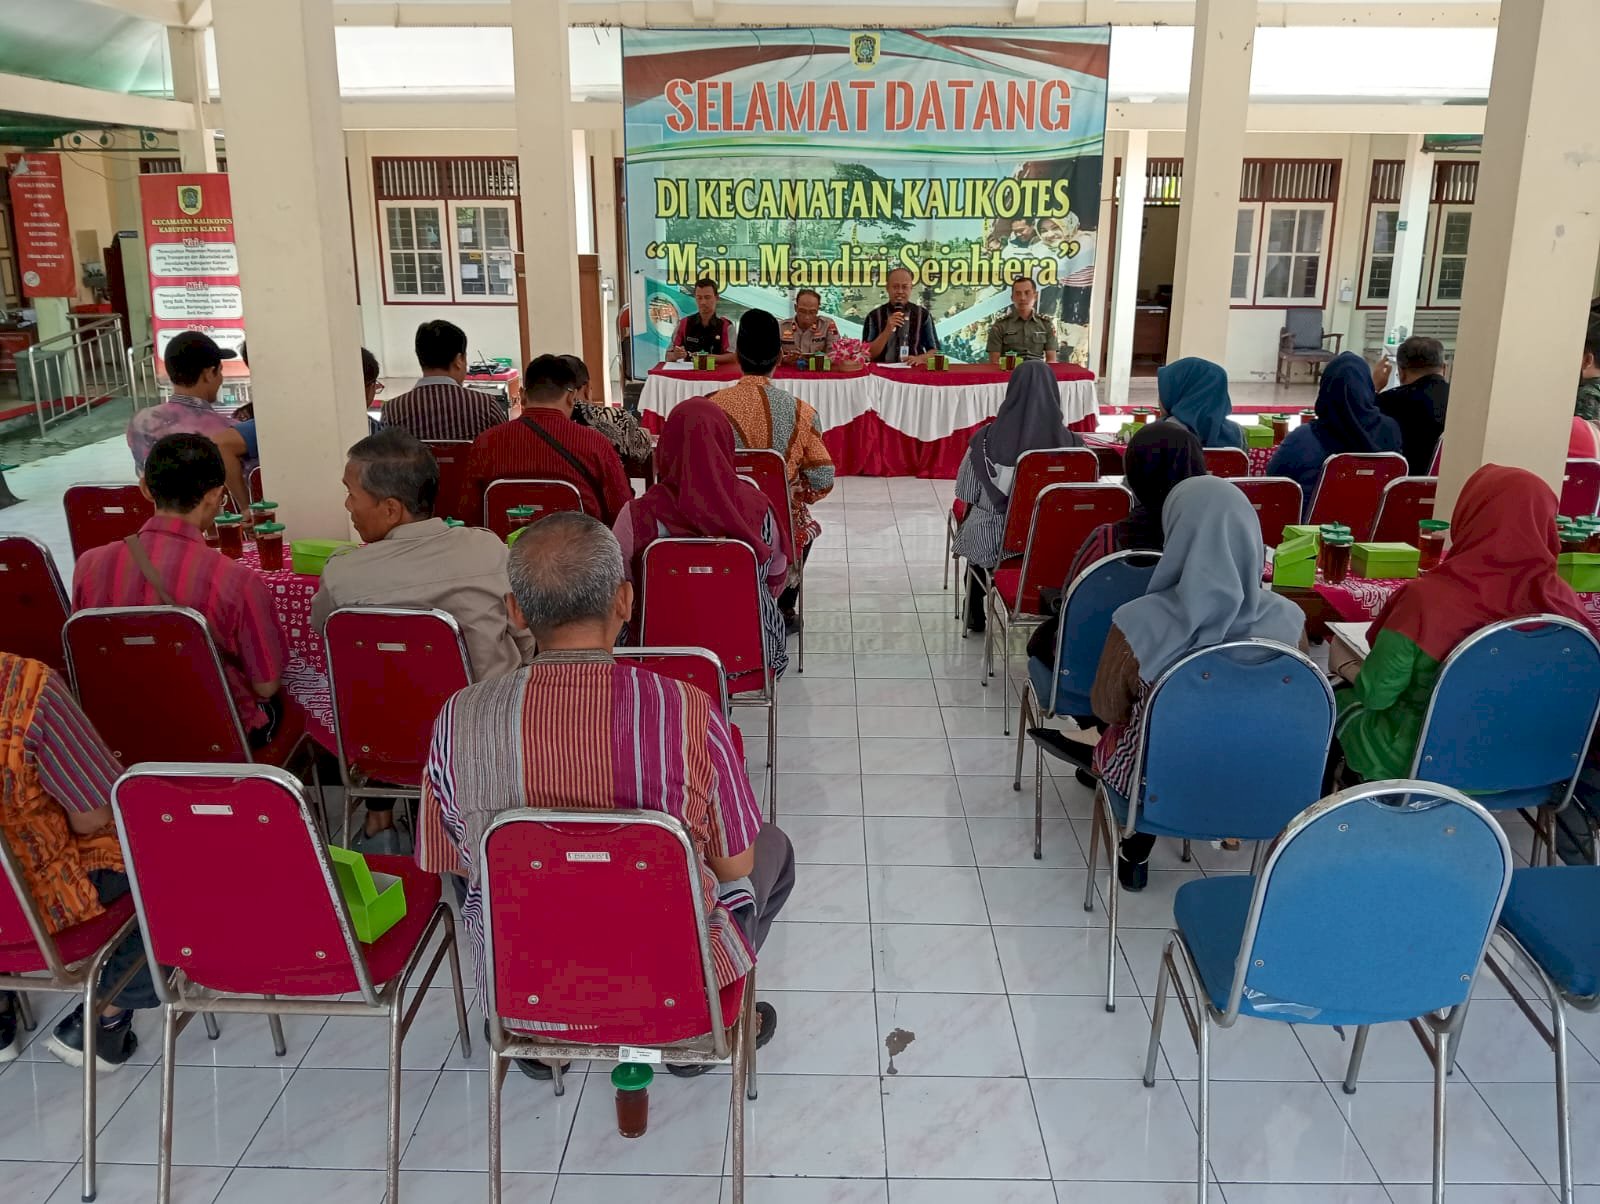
(1356, 599)
(881, 420)
(305, 679)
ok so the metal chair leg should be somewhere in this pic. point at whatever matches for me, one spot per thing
(91, 1020)
(497, 1078)
(1203, 1093)
(556, 1078)
(210, 1021)
(1094, 849)
(275, 1023)
(1188, 853)
(1024, 713)
(169, 1064)
(1111, 926)
(1038, 803)
(751, 1023)
(1442, 1059)
(25, 1011)
(741, 1068)
(1158, 1015)
(1358, 1049)
(1558, 1028)
(392, 1165)
(772, 763)
(800, 610)
(455, 987)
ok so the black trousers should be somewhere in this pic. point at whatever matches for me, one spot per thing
(787, 599)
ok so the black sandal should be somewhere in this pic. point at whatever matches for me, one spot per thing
(767, 1025)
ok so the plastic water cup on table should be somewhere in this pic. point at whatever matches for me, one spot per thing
(1431, 536)
(269, 546)
(263, 512)
(1336, 550)
(230, 535)
(1280, 428)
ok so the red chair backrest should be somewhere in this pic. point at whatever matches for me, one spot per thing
(1406, 502)
(1063, 517)
(704, 593)
(232, 880)
(1438, 454)
(33, 606)
(1227, 462)
(631, 956)
(123, 657)
(697, 667)
(102, 514)
(546, 497)
(451, 455)
(1351, 487)
(1580, 488)
(390, 671)
(1276, 501)
(253, 484)
(1037, 471)
(770, 473)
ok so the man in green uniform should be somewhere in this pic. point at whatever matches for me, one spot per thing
(1023, 331)
(1588, 404)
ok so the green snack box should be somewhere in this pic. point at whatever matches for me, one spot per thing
(1380, 561)
(1580, 570)
(1257, 435)
(1296, 530)
(1294, 564)
(377, 902)
(309, 555)
(817, 363)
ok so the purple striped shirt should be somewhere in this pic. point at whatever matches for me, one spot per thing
(438, 409)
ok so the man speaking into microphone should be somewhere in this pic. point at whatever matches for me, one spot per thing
(899, 331)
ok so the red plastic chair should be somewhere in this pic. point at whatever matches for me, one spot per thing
(253, 484)
(767, 469)
(390, 672)
(1036, 471)
(120, 657)
(698, 667)
(1276, 501)
(102, 514)
(35, 605)
(1406, 502)
(705, 593)
(1227, 462)
(1351, 487)
(1063, 517)
(546, 497)
(237, 894)
(451, 456)
(67, 962)
(628, 885)
(1580, 488)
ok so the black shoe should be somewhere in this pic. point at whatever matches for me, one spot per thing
(1134, 875)
(10, 1031)
(766, 1026)
(113, 1043)
(536, 1069)
(791, 622)
(1085, 778)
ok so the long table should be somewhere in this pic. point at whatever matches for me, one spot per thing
(1359, 599)
(305, 678)
(882, 420)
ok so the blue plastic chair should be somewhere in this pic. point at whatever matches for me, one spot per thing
(1511, 717)
(1198, 778)
(1304, 941)
(1549, 930)
(1086, 611)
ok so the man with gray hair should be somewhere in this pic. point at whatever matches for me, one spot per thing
(658, 745)
(411, 558)
(1420, 400)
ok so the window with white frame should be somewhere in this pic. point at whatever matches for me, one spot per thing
(1244, 246)
(413, 252)
(1382, 238)
(485, 251)
(1293, 254)
(1450, 254)
(448, 228)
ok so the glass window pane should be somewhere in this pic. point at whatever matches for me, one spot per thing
(473, 281)
(1280, 230)
(430, 266)
(469, 227)
(1386, 229)
(1457, 228)
(1305, 276)
(497, 228)
(1240, 291)
(1379, 276)
(1277, 281)
(1310, 233)
(427, 220)
(1452, 275)
(1244, 232)
(502, 275)
(403, 271)
(400, 238)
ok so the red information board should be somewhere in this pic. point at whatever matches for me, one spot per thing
(44, 244)
(194, 263)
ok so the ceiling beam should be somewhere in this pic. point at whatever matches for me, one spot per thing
(93, 106)
(162, 12)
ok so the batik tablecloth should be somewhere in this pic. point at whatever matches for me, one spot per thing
(1356, 599)
(305, 679)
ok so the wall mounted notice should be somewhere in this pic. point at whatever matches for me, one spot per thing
(778, 159)
(44, 244)
(194, 262)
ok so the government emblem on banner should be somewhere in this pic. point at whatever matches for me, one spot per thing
(864, 50)
(189, 198)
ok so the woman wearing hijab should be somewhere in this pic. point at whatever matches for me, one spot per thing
(1501, 565)
(699, 495)
(1029, 420)
(1195, 392)
(1348, 420)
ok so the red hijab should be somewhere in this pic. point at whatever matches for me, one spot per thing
(698, 492)
(1502, 565)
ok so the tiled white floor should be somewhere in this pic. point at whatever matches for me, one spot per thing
(941, 1041)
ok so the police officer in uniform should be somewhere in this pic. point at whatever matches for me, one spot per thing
(1023, 331)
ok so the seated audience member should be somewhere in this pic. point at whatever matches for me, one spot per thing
(700, 495)
(194, 365)
(55, 814)
(1348, 420)
(1024, 330)
(1583, 441)
(532, 739)
(768, 415)
(1501, 564)
(899, 330)
(1419, 402)
(439, 407)
(168, 563)
(544, 443)
(1206, 591)
(1029, 420)
(704, 332)
(1195, 392)
(621, 429)
(1588, 403)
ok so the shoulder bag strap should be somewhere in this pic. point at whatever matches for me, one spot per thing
(141, 560)
(577, 465)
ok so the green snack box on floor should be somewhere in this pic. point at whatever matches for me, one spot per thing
(1257, 435)
(309, 555)
(377, 902)
(1294, 564)
(1381, 561)
(1580, 570)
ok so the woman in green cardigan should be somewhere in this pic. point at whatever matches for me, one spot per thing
(1502, 565)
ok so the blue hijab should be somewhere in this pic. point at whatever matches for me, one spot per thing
(1348, 418)
(1195, 392)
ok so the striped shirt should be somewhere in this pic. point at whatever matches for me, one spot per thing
(918, 333)
(578, 730)
(513, 450)
(233, 600)
(439, 409)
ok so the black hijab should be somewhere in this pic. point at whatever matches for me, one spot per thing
(1348, 418)
(1159, 456)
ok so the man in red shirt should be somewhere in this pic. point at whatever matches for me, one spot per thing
(544, 443)
(185, 478)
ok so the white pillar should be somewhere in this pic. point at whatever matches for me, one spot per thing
(1410, 240)
(197, 147)
(602, 152)
(369, 262)
(1213, 157)
(544, 173)
(1125, 274)
(1536, 232)
(127, 213)
(292, 220)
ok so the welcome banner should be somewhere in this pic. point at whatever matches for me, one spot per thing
(778, 159)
